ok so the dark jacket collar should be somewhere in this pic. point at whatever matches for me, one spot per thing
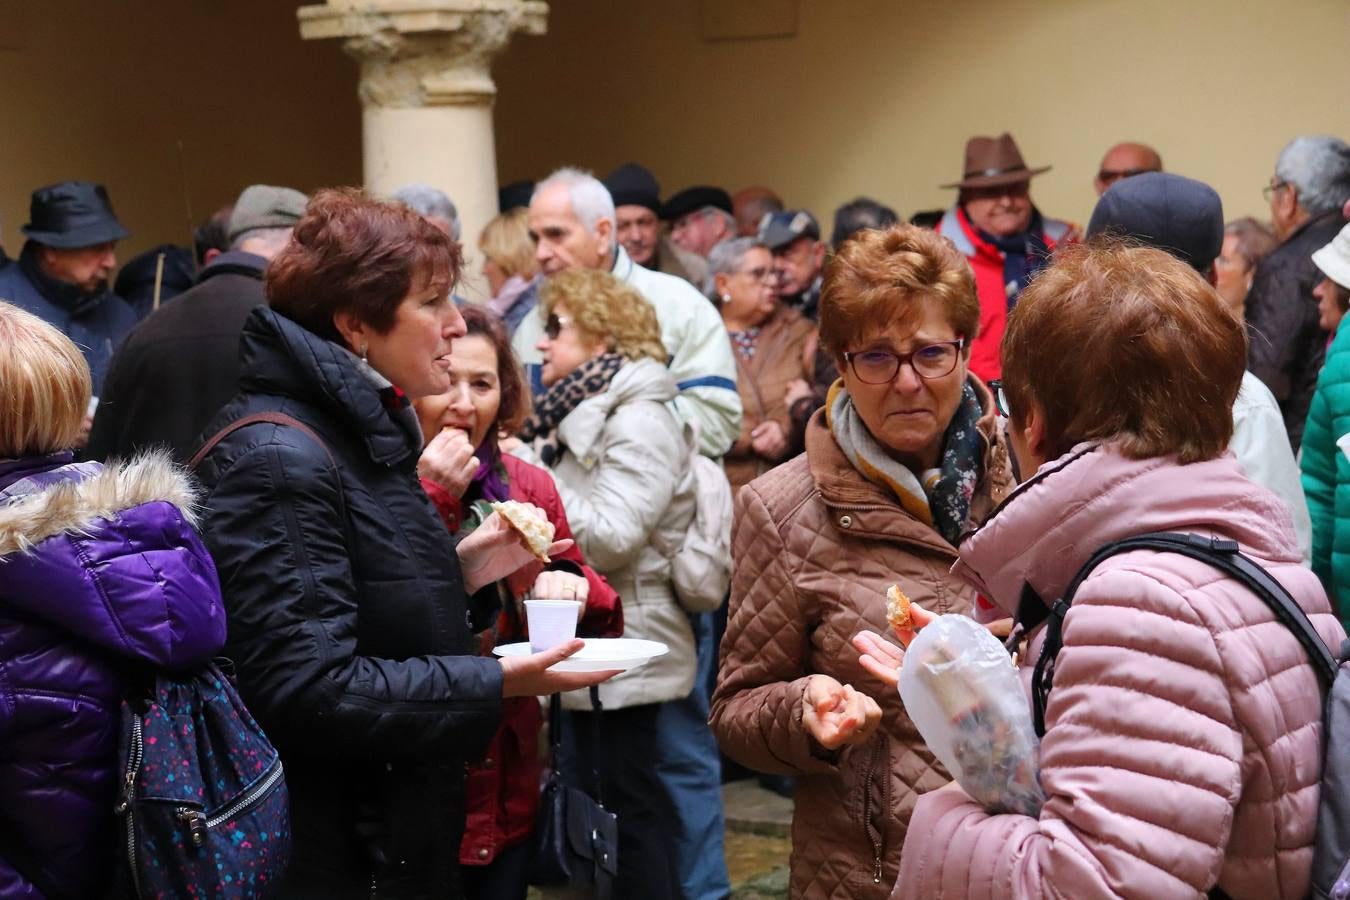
(278, 356)
(61, 293)
(1330, 219)
(235, 262)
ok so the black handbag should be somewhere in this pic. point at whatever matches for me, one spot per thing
(576, 840)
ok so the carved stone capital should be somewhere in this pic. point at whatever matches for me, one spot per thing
(417, 53)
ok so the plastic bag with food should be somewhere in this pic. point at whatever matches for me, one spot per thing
(962, 691)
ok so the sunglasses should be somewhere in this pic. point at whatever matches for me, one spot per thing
(554, 325)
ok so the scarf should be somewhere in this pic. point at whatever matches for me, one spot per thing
(491, 614)
(1024, 254)
(938, 497)
(508, 295)
(68, 296)
(589, 379)
(745, 341)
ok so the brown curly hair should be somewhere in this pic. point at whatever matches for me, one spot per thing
(351, 252)
(879, 274)
(1129, 344)
(607, 311)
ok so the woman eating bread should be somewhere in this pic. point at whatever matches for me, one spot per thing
(901, 461)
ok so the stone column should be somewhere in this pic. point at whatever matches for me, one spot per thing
(427, 91)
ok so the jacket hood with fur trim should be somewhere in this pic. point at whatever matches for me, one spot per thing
(101, 574)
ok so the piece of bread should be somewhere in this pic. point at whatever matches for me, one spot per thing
(897, 608)
(532, 524)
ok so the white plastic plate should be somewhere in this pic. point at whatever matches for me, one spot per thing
(599, 654)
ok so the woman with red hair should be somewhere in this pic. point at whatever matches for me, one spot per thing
(346, 597)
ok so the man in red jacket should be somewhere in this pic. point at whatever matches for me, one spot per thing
(998, 228)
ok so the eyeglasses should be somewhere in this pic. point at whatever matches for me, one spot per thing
(1269, 190)
(929, 361)
(1111, 176)
(554, 325)
(761, 273)
(1000, 398)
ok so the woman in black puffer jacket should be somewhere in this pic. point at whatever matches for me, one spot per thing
(347, 599)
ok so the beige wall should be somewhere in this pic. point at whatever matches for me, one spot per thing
(870, 96)
(104, 90)
(879, 96)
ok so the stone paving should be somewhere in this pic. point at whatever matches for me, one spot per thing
(757, 843)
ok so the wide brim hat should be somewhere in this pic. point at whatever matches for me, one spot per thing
(1334, 258)
(993, 162)
(72, 214)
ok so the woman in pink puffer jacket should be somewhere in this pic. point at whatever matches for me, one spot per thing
(1183, 738)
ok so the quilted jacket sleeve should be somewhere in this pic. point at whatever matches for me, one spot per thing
(757, 707)
(287, 578)
(1141, 765)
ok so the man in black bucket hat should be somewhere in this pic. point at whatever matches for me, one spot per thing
(62, 273)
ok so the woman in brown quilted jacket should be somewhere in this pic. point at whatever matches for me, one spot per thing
(902, 460)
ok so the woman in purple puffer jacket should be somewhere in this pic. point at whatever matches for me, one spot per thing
(100, 572)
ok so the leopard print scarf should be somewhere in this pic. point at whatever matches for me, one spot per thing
(587, 380)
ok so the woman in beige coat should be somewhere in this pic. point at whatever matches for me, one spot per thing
(620, 458)
(902, 460)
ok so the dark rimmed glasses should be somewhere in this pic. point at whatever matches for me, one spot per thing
(554, 325)
(928, 361)
(1000, 398)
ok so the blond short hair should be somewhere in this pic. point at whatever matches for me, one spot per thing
(506, 241)
(44, 386)
(608, 312)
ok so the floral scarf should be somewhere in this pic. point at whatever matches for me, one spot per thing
(938, 497)
(589, 379)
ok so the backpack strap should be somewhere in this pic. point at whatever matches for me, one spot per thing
(275, 418)
(1222, 555)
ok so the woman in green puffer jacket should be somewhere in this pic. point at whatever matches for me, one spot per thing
(1326, 467)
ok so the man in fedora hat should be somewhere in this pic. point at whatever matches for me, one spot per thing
(181, 365)
(998, 228)
(62, 272)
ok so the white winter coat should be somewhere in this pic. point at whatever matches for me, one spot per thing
(624, 479)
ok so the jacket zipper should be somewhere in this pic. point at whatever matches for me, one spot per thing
(199, 826)
(877, 747)
(127, 806)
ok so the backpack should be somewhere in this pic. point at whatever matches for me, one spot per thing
(1331, 851)
(203, 806)
(700, 567)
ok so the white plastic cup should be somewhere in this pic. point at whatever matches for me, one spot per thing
(551, 622)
